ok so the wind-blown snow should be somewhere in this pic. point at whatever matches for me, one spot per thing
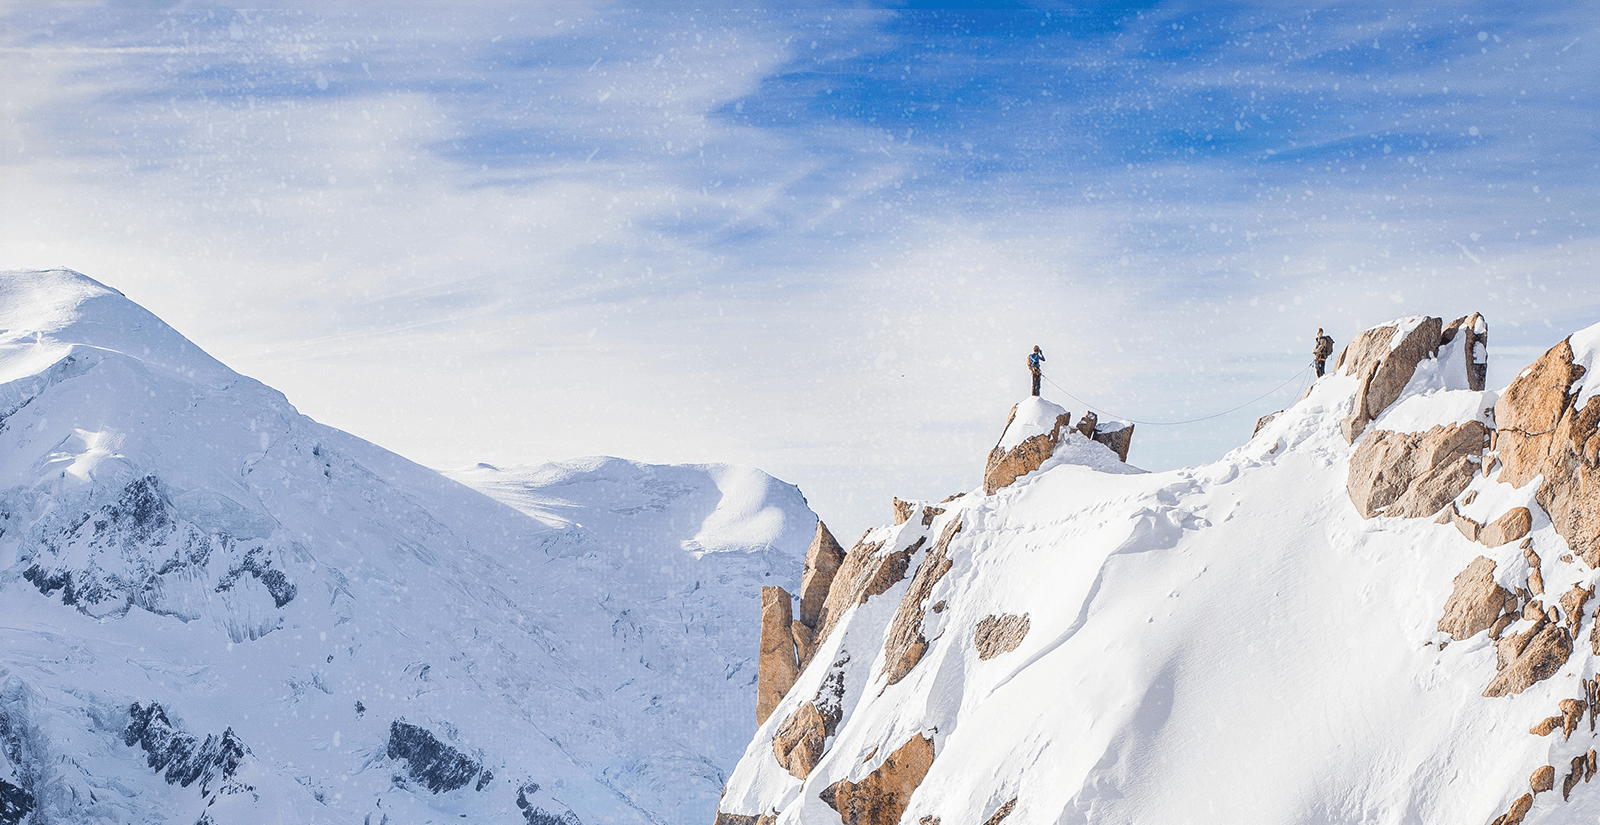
(370, 631)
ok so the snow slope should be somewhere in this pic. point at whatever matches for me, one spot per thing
(215, 609)
(1226, 643)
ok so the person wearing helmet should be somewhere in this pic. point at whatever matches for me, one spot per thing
(1035, 358)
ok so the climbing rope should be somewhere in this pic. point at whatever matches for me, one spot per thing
(1286, 382)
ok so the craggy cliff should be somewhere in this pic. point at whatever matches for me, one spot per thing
(1378, 608)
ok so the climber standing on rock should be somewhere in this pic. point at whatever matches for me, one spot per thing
(1036, 358)
(1323, 349)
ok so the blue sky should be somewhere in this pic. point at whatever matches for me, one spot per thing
(818, 241)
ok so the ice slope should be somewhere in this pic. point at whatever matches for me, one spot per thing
(1226, 643)
(333, 633)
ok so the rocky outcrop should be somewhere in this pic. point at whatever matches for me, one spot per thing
(741, 819)
(1542, 432)
(865, 572)
(999, 634)
(1543, 779)
(799, 741)
(1476, 602)
(777, 667)
(1513, 525)
(1384, 365)
(880, 798)
(1529, 657)
(1519, 809)
(822, 563)
(179, 756)
(431, 763)
(902, 511)
(1001, 812)
(1006, 465)
(904, 644)
(1118, 435)
(1414, 475)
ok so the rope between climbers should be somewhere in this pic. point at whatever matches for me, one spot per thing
(1297, 375)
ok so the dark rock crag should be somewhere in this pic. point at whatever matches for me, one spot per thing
(431, 763)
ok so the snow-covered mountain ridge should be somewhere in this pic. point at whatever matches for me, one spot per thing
(214, 609)
(1376, 610)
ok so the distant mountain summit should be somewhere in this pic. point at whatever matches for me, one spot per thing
(1378, 609)
(214, 609)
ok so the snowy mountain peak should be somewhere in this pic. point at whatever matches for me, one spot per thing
(216, 609)
(1373, 610)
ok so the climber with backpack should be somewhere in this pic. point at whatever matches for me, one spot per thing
(1035, 358)
(1320, 354)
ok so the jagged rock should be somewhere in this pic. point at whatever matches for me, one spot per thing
(881, 796)
(1006, 465)
(429, 762)
(929, 513)
(1001, 813)
(805, 642)
(865, 572)
(1572, 603)
(1513, 525)
(1384, 366)
(1264, 421)
(1544, 728)
(999, 634)
(182, 756)
(1086, 424)
(1468, 335)
(1519, 809)
(1535, 574)
(1414, 474)
(1589, 766)
(742, 819)
(1541, 432)
(777, 667)
(15, 803)
(1476, 602)
(822, 563)
(1574, 773)
(1467, 526)
(902, 511)
(1543, 779)
(1571, 714)
(904, 644)
(534, 815)
(1529, 657)
(1118, 435)
(799, 741)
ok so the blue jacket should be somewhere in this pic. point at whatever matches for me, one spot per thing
(1033, 360)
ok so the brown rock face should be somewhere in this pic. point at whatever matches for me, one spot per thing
(1574, 773)
(1476, 602)
(999, 634)
(1543, 779)
(822, 562)
(1572, 603)
(1006, 466)
(902, 511)
(904, 645)
(777, 667)
(1529, 657)
(1519, 809)
(1541, 432)
(1507, 528)
(1413, 475)
(865, 572)
(1118, 436)
(1571, 715)
(882, 796)
(1384, 372)
(799, 740)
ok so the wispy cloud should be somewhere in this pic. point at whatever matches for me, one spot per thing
(811, 240)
